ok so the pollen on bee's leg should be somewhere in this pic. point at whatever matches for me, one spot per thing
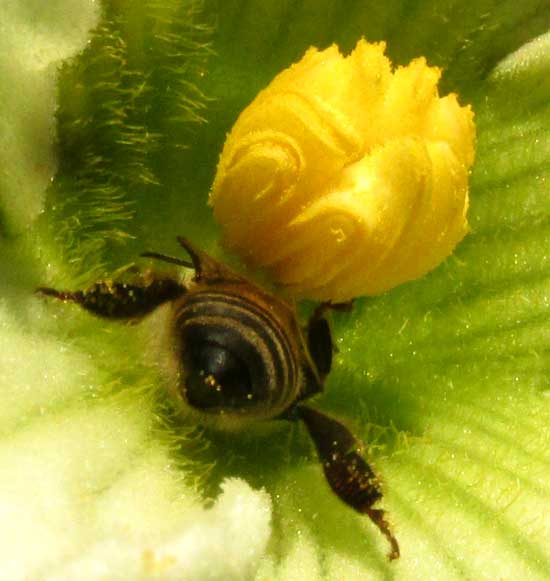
(357, 485)
(377, 517)
(67, 296)
(120, 300)
(347, 473)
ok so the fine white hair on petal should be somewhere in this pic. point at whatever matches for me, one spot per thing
(224, 542)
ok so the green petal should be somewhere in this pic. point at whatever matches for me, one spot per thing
(445, 378)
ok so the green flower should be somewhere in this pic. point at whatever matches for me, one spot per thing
(444, 378)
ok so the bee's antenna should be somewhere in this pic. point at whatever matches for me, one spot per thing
(170, 259)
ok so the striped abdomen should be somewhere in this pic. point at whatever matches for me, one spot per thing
(235, 357)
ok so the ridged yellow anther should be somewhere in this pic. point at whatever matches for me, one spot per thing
(345, 178)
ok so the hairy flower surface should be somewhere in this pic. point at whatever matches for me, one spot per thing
(345, 178)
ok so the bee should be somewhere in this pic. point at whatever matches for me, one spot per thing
(242, 356)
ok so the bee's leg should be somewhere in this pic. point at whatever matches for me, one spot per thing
(117, 300)
(347, 473)
(330, 306)
(319, 336)
(319, 343)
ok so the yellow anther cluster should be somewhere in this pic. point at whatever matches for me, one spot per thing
(344, 177)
